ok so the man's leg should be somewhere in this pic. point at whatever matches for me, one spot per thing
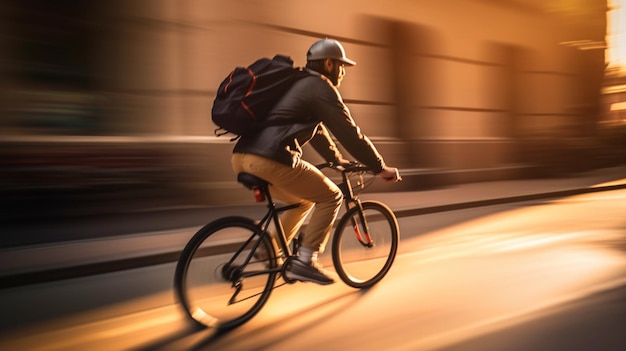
(291, 220)
(303, 181)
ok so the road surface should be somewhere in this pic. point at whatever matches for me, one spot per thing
(547, 275)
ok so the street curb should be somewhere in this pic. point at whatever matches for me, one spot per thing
(504, 200)
(111, 266)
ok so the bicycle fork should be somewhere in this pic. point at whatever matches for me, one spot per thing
(361, 228)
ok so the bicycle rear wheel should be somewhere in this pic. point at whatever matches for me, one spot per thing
(359, 261)
(218, 280)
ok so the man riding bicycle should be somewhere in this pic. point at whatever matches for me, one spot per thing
(311, 109)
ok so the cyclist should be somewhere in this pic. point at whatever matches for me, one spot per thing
(308, 111)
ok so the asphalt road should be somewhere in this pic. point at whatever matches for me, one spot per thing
(547, 275)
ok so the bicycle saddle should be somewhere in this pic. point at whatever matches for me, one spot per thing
(251, 181)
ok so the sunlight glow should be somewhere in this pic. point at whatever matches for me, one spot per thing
(616, 33)
(618, 106)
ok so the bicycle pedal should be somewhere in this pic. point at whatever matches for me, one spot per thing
(284, 269)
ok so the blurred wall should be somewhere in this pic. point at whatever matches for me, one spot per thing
(461, 89)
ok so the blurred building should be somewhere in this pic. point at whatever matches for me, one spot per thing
(106, 93)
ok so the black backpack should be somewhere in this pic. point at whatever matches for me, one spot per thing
(247, 95)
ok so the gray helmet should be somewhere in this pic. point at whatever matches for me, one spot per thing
(328, 48)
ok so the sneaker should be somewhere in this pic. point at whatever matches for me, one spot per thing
(313, 272)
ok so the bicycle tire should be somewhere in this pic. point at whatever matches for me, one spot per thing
(356, 264)
(205, 282)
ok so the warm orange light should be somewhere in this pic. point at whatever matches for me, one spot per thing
(616, 34)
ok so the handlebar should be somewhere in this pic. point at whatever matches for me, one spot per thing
(345, 168)
(355, 167)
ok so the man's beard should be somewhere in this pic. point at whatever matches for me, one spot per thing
(334, 77)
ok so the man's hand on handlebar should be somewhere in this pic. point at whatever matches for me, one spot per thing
(390, 175)
(340, 164)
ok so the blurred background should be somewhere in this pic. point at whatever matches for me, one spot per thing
(105, 105)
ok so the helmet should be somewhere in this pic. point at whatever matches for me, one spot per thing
(328, 48)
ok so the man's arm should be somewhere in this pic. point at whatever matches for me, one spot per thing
(335, 115)
(326, 147)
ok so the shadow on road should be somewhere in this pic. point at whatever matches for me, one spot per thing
(265, 334)
(595, 322)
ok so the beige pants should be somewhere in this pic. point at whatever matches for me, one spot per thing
(302, 184)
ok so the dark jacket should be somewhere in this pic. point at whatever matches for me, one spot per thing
(303, 115)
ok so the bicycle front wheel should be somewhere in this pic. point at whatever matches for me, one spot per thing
(365, 246)
(219, 280)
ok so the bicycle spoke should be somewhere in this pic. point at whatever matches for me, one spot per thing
(216, 280)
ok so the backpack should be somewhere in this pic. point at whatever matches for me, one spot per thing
(247, 95)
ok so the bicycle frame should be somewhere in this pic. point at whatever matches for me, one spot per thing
(361, 229)
(272, 215)
(223, 272)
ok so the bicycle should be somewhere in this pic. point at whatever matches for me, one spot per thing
(228, 269)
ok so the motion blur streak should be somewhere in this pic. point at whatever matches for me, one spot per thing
(108, 102)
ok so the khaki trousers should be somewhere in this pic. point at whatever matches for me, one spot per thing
(303, 184)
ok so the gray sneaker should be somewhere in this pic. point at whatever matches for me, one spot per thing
(313, 272)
